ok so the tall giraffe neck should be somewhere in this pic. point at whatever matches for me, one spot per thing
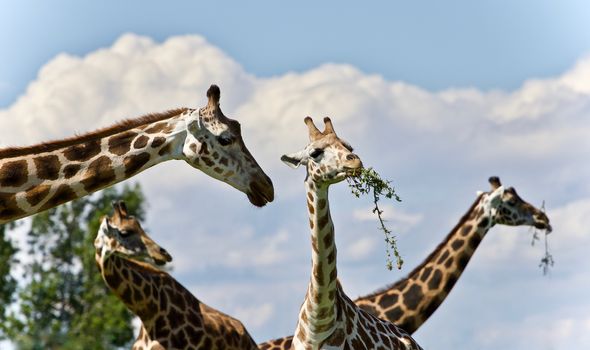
(172, 318)
(134, 283)
(319, 308)
(48, 176)
(410, 301)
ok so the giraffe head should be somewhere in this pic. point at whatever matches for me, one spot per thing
(215, 146)
(507, 208)
(328, 159)
(123, 235)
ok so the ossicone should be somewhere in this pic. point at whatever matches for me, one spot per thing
(495, 182)
(213, 94)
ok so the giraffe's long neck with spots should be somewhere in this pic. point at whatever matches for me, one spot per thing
(410, 301)
(318, 313)
(172, 318)
(134, 283)
(33, 182)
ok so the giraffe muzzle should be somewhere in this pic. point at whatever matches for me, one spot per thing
(261, 192)
(542, 222)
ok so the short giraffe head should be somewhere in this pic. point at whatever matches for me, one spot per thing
(507, 208)
(215, 146)
(123, 235)
(328, 158)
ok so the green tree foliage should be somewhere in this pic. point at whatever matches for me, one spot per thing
(64, 304)
(7, 280)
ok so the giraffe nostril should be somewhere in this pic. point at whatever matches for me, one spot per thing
(351, 156)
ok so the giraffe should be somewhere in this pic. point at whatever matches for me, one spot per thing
(409, 302)
(172, 318)
(40, 177)
(328, 319)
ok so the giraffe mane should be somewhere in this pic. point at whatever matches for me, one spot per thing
(121, 126)
(418, 268)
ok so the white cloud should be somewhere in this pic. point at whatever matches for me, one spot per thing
(539, 332)
(255, 315)
(398, 219)
(439, 147)
(361, 248)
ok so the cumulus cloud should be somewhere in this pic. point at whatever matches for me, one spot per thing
(399, 219)
(439, 147)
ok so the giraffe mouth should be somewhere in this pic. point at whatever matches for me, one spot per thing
(160, 262)
(261, 193)
(353, 172)
(161, 257)
(543, 226)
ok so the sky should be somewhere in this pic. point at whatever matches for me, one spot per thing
(437, 98)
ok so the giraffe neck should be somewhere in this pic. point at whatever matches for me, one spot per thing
(172, 318)
(410, 301)
(317, 316)
(33, 182)
(134, 283)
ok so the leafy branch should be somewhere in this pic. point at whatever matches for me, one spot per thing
(367, 181)
(547, 260)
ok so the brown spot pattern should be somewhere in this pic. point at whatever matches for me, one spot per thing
(63, 194)
(71, 170)
(121, 143)
(47, 167)
(141, 142)
(165, 150)
(156, 128)
(36, 194)
(8, 207)
(14, 174)
(134, 163)
(99, 174)
(158, 141)
(434, 282)
(82, 152)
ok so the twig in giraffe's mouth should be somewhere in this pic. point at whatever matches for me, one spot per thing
(547, 260)
(364, 181)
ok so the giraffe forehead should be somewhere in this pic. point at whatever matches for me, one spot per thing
(331, 140)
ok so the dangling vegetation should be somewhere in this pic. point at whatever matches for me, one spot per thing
(547, 261)
(368, 181)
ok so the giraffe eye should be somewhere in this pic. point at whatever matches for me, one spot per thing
(316, 153)
(126, 232)
(224, 140)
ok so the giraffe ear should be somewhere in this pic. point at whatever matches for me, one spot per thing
(294, 160)
(123, 209)
(290, 161)
(107, 223)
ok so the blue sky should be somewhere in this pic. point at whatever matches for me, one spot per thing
(435, 97)
(486, 44)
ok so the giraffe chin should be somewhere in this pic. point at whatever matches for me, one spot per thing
(257, 199)
(543, 226)
(159, 262)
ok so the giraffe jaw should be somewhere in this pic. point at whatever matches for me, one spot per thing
(541, 225)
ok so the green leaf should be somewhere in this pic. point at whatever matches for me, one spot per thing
(367, 181)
